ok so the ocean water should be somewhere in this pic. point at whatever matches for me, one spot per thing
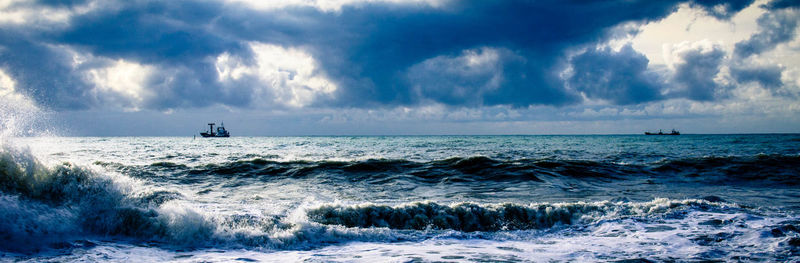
(401, 198)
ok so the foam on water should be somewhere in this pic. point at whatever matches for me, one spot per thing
(43, 207)
(695, 235)
(146, 201)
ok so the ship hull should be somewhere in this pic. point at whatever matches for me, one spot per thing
(206, 135)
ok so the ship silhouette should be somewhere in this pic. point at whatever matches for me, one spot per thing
(220, 132)
(673, 132)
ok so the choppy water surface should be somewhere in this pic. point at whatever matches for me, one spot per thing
(428, 198)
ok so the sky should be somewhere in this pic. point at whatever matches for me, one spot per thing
(398, 67)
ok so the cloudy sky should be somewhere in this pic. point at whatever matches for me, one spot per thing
(316, 67)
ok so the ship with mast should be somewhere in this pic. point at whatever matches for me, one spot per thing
(220, 132)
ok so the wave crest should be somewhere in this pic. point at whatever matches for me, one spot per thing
(469, 217)
(761, 169)
(43, 207)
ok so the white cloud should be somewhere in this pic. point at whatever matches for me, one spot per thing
(9, 94)
(691, 25)
(26, 12)
(287, 76)
(592, 113)
(661, 40)
(673, 54)
(791, 80)
(122, 83)
(630, 112)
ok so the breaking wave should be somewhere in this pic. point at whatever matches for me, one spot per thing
(63, 205)
(470, 217)
(42, 206)
(49, 206)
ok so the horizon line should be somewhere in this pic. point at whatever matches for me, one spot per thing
(410, 135)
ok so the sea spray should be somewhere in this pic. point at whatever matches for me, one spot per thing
(20, 115)
(70, 202)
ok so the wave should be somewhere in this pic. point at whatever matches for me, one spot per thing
(46, 207)
(68, 206)
(450, 170)
(470, 217)
(777, 169)
(65, 206)
(760, 169)
(41, 206)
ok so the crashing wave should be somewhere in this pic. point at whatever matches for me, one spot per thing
(41, 206)
(469, 217)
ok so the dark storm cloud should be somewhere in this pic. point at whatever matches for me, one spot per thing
(695, 77)
(774, 28)
(43, 71)
(173, 35)
(375, 52)
(780, 4)
(195, 85)
(620, 77)
(766, 76)
(173, 32)
(67, 3)
(540, 32)
(464, 79)
(478, 77)
(721, 9)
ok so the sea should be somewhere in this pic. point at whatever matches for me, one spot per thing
(623, 198)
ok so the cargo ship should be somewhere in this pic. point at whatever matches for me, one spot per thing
(673, 132)
(220, 132)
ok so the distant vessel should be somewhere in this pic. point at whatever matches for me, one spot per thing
(221, 131)
(673, 132)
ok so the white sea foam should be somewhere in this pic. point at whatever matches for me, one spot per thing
(684, 239)
(155, 199)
